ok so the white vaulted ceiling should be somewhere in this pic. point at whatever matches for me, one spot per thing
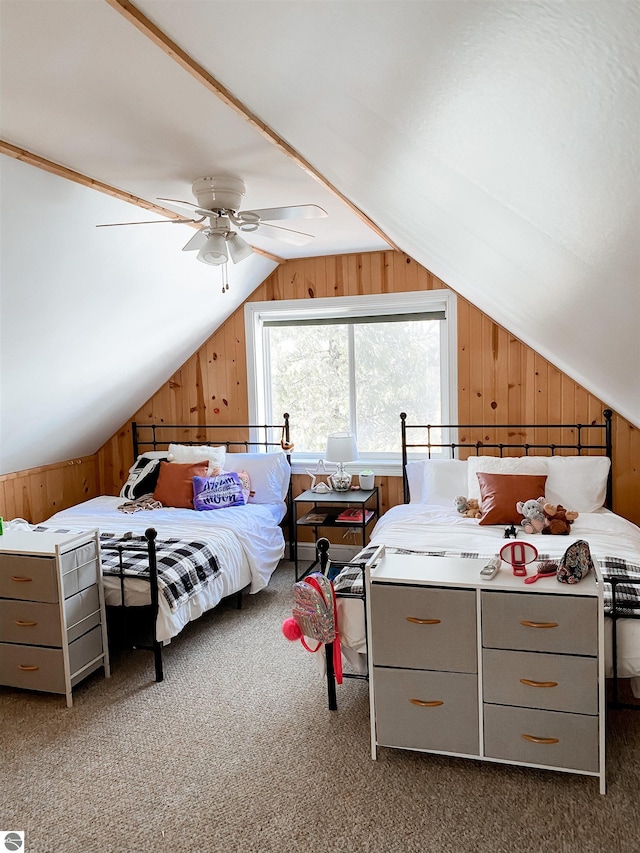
(495, 142)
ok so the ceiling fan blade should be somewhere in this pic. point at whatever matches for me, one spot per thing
(147, 222)
(286, 235)
(299, 211)
(196, 242)
(177, 201)
(201, 211)
(153, 222)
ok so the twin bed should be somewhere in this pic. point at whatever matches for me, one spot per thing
(177, 561)
(455, 463)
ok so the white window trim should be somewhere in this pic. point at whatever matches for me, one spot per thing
(343, 307)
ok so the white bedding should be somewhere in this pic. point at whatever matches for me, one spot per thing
(247, 539)
(420, 527)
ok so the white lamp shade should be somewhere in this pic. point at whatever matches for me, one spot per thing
(341, 447)
(239, 249)
(214, 250)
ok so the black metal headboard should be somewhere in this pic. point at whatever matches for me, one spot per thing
(582, 442)
(266, 436)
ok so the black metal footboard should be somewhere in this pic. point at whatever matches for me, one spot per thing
(152, 580)
(620, 610)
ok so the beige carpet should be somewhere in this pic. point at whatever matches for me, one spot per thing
(236, 751)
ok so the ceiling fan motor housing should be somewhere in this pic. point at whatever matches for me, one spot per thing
(221, 193)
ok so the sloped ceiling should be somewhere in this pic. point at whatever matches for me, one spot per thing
(496, 143)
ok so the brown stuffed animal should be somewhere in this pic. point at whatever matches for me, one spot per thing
(559, 519)
(467, 507)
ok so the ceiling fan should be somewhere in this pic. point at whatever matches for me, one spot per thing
(218, 209)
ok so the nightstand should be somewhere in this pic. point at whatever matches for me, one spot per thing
(328, 507)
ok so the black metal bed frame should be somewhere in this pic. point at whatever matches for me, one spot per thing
(201, 435)
(581, 444)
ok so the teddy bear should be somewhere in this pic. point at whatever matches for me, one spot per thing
(468, 507)
(534, 520)
(558, 519)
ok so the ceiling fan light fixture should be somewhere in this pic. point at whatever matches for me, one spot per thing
(214, 250)
(239, 249)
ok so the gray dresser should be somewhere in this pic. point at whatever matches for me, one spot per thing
(494, 670)
(52, 614)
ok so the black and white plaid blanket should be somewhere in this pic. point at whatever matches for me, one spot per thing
(183, 566)
(349, 579)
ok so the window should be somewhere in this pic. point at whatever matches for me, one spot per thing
(353, 363)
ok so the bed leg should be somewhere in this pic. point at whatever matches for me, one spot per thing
(239, 600)
(157, 657)
(331, 678)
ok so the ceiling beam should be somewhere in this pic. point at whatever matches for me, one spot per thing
(173, 50)
(78, 178)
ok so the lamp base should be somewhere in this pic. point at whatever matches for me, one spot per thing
(341, 480)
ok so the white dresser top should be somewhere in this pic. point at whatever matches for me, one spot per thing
(465, 572)
(28, 542)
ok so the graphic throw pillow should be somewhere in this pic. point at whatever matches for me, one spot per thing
(142, 479)
(229, 488)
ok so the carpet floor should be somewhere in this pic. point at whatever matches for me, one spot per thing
(236, 751)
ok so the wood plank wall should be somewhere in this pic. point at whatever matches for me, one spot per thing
(38, 493)
(500, 381)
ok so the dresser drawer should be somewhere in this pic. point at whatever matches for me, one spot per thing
(42, 668)
(38, 623)
(79, 568)
(535, 680)
(28, 577)
(539, 622)
(32, 667)
(82, 612)
(30, 623)
(415, 709)
(549, 738)
(83, 650)
(424, 627)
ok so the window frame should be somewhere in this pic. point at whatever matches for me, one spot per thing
(341, 308)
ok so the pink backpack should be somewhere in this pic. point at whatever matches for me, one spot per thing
(315, 615)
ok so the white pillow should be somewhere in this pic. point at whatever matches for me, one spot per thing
(186, 453)
(501, 465)
(436, 482)
(269, 474)
(578, 483)
(415, 478)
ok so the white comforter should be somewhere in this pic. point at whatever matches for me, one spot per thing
(417, 527)
(251, 531)
(247, 541)
(429, 528)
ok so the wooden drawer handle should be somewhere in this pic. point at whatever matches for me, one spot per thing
(27, 668)
(21, 580)
(528, 624)
(424, 704)
(530, 683)
(24, 624)
(534, 739)
(414, 620)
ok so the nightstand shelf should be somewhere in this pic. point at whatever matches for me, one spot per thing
(326, 509)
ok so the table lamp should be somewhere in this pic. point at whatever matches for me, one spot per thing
(341, 448)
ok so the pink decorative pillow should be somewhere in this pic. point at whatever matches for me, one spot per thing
(499, 494)
(175, 483)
